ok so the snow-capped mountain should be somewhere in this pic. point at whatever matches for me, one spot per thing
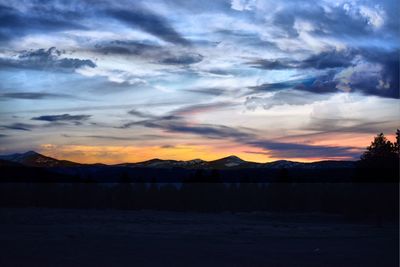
(283, 164)
(34, 159)
(229, 162)
(159, 163)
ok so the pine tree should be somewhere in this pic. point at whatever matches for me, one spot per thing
(380, 149)
(380, 161)
(397, 143)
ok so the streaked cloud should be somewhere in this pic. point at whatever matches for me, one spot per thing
(62, 117)
(33, 96)
(280, 79)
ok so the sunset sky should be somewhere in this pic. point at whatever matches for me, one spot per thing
(125, 81)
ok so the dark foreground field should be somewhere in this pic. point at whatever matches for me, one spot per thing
(62, 237)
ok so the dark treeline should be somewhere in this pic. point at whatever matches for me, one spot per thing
(358, 198)
(353, 200)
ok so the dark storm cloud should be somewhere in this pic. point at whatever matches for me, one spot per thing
(319, 85)
(330, 59)
(43, 59)
(324, 60)
(151, 23)
(383, 82)
(305, 84)
(389, 75)
(274, 86)
(33, 96)
(62, 117)
(14, 23)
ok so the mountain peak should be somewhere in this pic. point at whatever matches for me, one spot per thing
(232, 157)
(32, 158)
(30, 153)
(230, 161)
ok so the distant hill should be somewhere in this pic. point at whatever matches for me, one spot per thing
(34, 159)
(32, 166)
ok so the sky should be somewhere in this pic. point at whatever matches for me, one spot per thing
(125, 81)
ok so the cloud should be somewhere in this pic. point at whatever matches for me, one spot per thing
(325, 60)
(124, 47)
(18, 126)
(201, 108)
(118, 138)
(207, 91)
(272, 148)
(376, 73)
(42, 59)
(318, 85)
(33, 96)
(326, 18)
(184, 59)
(63, 117)
(151, 23)
(151, 52)
(140, 114)
(295, 150)
(15, 23)
(286, 97)
(369, 71)
(294, 54)
(242, 5)
(273, 64)
(205, 130)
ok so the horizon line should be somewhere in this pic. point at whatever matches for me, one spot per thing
(161, 159)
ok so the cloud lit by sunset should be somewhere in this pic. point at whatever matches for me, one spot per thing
(263, 80)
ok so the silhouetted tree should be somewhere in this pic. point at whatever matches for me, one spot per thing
(397, 143)
(379, 151)
(380, 161)
(379, 165)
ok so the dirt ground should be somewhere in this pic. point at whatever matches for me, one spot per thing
(63, 237)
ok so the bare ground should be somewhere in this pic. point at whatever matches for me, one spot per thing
(62, 237)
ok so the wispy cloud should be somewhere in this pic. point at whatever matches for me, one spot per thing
(151, 23)
(198, 71)
(16, 23)
(34, 96)
(62, 117)
(42, 59)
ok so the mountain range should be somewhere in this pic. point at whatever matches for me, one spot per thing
(34, 159)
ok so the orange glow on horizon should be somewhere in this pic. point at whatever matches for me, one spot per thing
(124, 154)
(131, 154)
